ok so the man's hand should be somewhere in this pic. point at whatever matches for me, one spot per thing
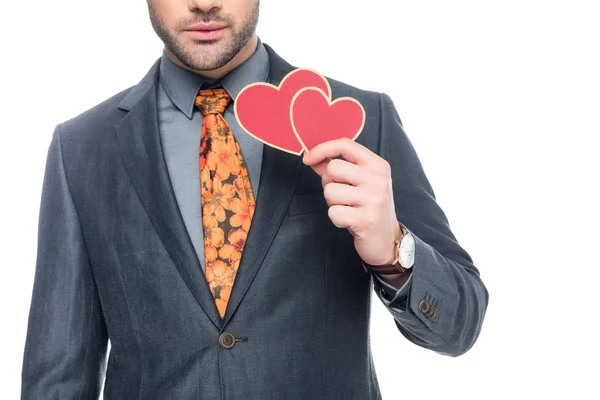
(358, 190)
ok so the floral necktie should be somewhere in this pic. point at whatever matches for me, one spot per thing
(226, 196)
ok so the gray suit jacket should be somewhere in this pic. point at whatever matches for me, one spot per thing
(115, 262)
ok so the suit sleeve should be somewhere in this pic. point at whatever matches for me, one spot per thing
(444, 278)
(66, 341)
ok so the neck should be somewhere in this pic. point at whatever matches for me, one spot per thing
(244, 54)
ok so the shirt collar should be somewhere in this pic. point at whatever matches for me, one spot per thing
(182, 85)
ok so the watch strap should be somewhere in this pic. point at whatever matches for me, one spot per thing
(390, 269)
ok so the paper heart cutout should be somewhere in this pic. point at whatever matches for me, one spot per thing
(316, 119)
(263, 110)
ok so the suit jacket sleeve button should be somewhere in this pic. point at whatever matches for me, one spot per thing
(433, 314)
(226, 340)
(424, 306)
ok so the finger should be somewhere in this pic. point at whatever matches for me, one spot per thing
(342, 171)
(321, 167)
(348, 149)
(342, 194)
(344, 216)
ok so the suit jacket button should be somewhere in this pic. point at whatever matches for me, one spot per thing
(433, 314)
(226, 340)
(425, 307)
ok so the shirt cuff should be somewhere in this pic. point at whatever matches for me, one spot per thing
(389, 295)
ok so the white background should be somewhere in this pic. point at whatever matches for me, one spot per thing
(500, 99)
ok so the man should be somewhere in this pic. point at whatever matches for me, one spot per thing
(222, 268)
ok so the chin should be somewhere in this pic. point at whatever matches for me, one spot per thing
(203, 65)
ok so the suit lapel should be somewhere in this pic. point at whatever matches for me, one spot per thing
(142, 152)
(279, 174)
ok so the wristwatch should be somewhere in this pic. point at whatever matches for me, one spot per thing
(404, 250)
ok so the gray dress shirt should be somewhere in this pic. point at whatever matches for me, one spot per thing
(180, 126)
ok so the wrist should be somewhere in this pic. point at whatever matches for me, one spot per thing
(394, 253)
(396, 267)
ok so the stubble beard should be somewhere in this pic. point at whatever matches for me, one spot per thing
(207, 55)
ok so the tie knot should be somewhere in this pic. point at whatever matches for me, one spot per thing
(212, 101)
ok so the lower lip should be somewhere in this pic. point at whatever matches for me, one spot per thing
(206, 35)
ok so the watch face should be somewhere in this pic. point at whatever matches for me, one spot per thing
(407, 251)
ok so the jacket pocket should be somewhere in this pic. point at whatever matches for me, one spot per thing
(308, 203)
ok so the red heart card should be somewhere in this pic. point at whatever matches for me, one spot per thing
(263, 110)
(316, 119)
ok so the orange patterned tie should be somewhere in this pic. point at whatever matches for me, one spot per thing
(226, 196)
